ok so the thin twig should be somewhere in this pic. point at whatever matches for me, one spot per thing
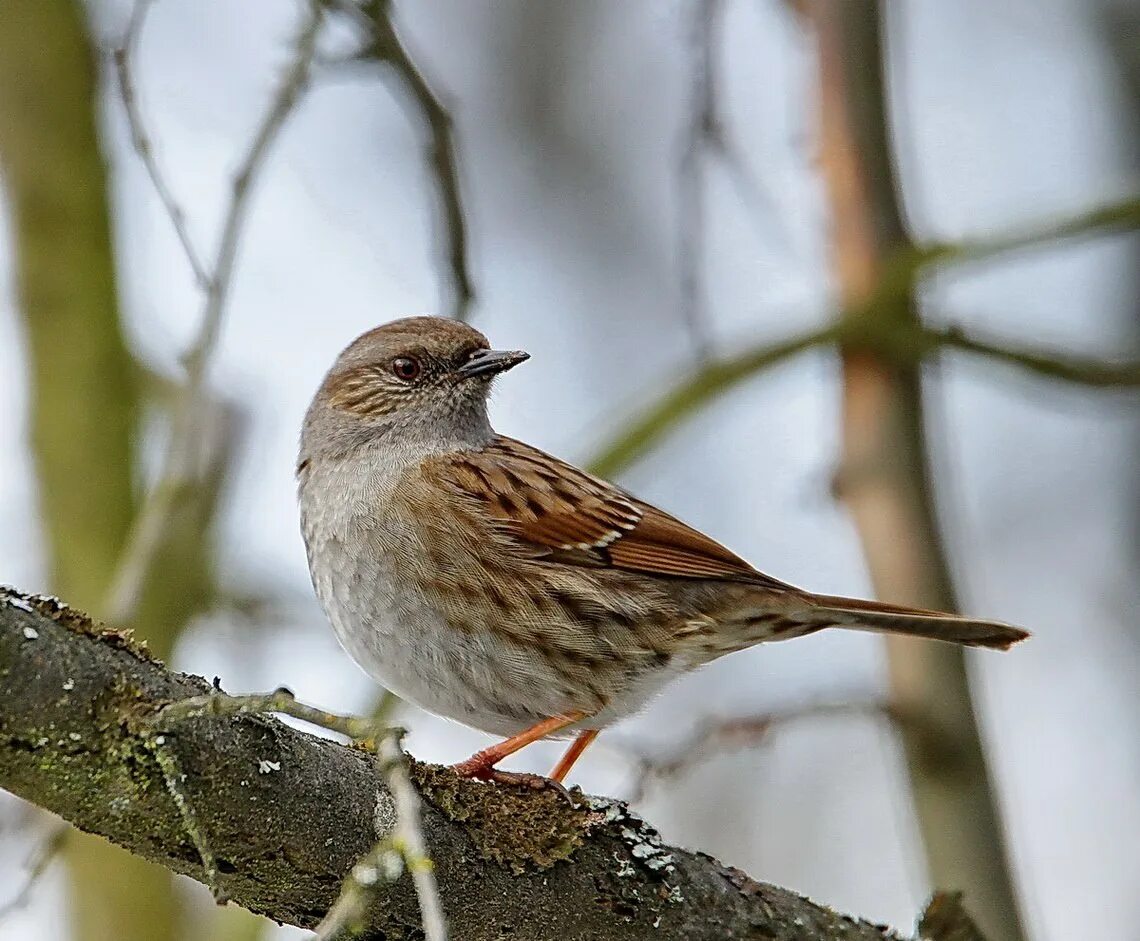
(280, 701)
(409, 835)
(381, 865)
(42, 857)
(395, 850)
(1080, 370)
(1121, 216)
(903, 344)
(717, 736)
(706, 134)
(124, 56)
(694, 393)
(404, 847)
(704, 131)
(154, 516)
(385, 46)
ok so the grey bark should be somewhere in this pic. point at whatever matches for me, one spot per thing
(287, 813)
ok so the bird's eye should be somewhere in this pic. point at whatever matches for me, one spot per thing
(406, 368)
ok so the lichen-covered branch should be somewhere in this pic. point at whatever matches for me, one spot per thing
(287, 814)
(85, 404)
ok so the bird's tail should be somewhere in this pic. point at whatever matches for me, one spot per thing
(855, 614)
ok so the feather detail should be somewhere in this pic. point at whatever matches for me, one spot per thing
(881, 617)
(568, 516)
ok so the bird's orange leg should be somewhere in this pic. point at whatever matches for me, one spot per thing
(572, 754)
(482, 764)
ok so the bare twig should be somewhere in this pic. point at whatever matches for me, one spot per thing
(716, 736)
(704, 131)
(705, 134)
(1120, 216)
(1080, 370)
(124, 56)
(395, 849)
(384, 46)
(281, 701)
(697, 391)
(410, 837)
(42, 857)
(154, 516)
(901, 344)
(381, 865)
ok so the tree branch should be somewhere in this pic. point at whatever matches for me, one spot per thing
(287, 814)
(735, 733)
(384, 46)
(701, 388)
(155, 514)
(902, 344)
(886, 479)
(42, 857)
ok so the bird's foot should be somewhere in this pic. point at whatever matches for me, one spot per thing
(481, 770)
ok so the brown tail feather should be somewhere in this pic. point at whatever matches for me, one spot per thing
(859, 615)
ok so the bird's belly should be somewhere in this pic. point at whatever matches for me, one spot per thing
(455, 656)
(474, 676)
(405, 644)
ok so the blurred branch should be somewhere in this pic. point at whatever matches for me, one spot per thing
(384, 46)
(283, 812)
(84, 401)
(700, 389)
(124, 56)
(906, 344)
(885, 471)
(175, 477)
(42, 857)
(704, 132)
(1079, 370)
(1110, 219)
(718, 736)
(1119, 23)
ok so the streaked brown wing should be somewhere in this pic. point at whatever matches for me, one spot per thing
(569, 516)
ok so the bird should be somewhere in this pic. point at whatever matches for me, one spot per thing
(489, 582)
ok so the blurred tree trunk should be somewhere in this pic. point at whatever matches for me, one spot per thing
(1121, 26)
(84, 398)
(885, 475)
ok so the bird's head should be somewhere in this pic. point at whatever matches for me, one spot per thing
(420, 381)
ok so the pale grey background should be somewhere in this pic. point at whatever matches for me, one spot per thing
(570, 121)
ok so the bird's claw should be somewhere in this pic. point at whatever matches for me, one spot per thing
(481, 771)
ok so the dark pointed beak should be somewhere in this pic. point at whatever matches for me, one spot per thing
(491, 362)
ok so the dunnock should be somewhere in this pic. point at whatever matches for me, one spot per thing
(491, 583)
